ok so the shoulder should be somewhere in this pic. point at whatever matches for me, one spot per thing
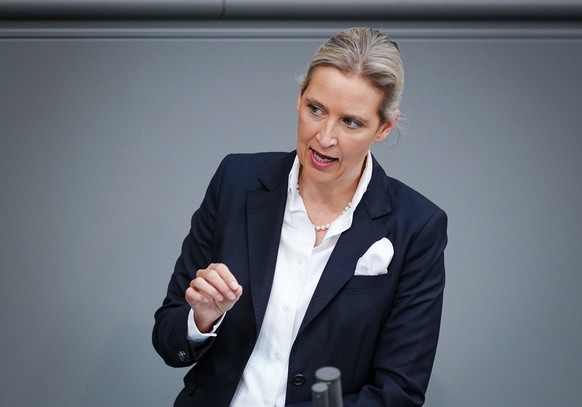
(415, 223)
(404, 195)
(255, 162)
(248, 170)
(404, 201)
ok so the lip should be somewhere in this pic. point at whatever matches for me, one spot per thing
(318, 164)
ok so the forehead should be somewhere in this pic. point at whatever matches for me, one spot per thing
(334, 88)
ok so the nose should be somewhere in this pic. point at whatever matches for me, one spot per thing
(326, 134)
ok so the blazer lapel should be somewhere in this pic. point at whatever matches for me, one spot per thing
(265, 212)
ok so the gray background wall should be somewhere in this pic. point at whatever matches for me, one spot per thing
(110, 131)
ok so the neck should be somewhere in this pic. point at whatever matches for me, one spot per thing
(324, 209)
(325, 195)
(333, 194)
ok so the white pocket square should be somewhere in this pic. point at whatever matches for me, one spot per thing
(376, 259)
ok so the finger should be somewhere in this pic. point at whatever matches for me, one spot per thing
(220, 277)
(207, 288)
(238, 292)
(226, 275)
(236, 296)
(193, 297)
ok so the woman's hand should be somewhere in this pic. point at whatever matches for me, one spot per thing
(213, 292)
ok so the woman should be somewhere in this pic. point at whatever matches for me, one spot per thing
(313, 258)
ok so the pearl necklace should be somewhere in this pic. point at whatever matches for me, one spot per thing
(321, 228)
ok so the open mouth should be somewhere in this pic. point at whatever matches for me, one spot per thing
(321, 158)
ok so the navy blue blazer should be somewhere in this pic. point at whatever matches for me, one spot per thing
(380, 331)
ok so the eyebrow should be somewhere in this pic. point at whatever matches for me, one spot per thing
(309, 100)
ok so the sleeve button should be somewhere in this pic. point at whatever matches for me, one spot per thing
(181, 355)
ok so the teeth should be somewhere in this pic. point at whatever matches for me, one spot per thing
(320, 158)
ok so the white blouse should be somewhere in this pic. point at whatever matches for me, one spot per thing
(297, 272)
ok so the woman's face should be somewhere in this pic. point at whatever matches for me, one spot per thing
(338, 123)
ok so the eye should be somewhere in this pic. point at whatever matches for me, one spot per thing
(315, 110)
(351, 123)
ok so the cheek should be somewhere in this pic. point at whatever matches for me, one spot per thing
(305, 130)
(355, 149)
(302, 137)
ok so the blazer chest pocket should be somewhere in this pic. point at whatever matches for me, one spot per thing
(369, 282)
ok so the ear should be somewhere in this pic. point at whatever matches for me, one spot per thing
(299, 101)
(386, 128)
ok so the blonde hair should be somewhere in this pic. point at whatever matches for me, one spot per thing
(367, 53)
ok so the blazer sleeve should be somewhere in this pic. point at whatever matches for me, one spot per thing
(170, 330)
